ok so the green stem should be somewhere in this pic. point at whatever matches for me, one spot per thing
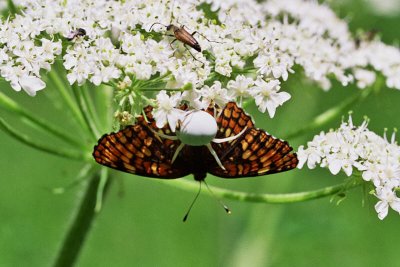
(55, 79)
(266, 198)
(247, 103)
(84, 109)
(11, 7)
(104, 100)
(12, 106)
(58, 151)
(89, 103)
(86, 172)
(331, 114)
(100, 189)
(80, 226)
(159, 89)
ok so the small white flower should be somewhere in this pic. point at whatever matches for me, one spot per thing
(387, 198)
(240, 86)
(364, 77)
(267, 95)
(214, 95)
(351, 147)
(166, 111)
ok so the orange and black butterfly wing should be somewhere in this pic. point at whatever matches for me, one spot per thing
(254, 153)
(136, 149)
(231, 122)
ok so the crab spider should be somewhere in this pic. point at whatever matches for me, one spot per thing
(198, 128)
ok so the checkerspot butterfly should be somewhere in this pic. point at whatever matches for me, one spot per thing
(141, 149)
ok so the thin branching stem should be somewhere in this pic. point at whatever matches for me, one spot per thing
(58, 151)
(266, 198)
(331, 114)
(90, 104)
(80, 225)
(84, 109)
(13, 107)
(62, 89)
(11, 7)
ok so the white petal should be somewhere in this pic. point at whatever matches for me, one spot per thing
(31, 84)
(173, 117)
(271, 107)
(160, 117)
(382, 209)
(335, 166)
(395, 205)
(283, 97)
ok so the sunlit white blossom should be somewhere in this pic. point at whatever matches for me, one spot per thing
(267, 95)
(167, 111)
(214, 94)
(387, 198)
(351, 148)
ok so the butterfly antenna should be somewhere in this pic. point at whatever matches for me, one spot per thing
(217, 199)
(191, 205)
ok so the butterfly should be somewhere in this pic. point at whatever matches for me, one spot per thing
(141, 149)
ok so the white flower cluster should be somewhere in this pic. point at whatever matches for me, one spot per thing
(262, 40)
(357, 148)
(22, 57)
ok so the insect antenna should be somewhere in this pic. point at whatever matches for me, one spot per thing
(191, 205)
(151, 27)
(217, 199)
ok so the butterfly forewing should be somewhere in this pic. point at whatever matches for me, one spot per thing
(232, 121)
(136, 149)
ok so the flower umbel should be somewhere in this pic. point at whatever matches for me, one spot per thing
(352, 148)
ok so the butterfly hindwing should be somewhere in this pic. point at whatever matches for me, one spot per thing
(136, 149)
(254, 153)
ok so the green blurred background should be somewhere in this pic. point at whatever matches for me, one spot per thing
(140, 224)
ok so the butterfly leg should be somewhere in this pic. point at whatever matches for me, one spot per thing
(228, 139)
(212, 151)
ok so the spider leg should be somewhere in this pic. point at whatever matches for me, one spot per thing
(170, 137)
(212, 151)
(177, 152)
(231, 138)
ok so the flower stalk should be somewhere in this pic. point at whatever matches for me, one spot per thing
(58, 151)
(85, 111)
(193, 186)
(62, 89)
(13, 107)
(81, 224)
(333, 113)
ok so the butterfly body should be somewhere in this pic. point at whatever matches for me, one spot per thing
(138, 149)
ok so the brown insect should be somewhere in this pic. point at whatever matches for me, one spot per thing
(181, 34)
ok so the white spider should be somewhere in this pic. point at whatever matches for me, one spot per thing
(198, 128)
